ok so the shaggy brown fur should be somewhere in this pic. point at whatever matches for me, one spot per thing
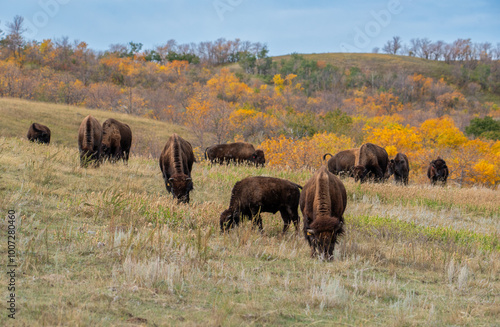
(238, 152)
(322, 202)
(89, 141)
(116, 147)
(400, 167)
(372, 159)
(111, 138)
(343, 162)
(176, 163)
(438, 171)
(38, 133)
(254, 195)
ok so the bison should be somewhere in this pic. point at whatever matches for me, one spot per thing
(89, 141)
(238, 152)
(116, 140)
(373, 159)
(254, 195)
(400, 168)
(343, 162)
(38, 133)
(322, 202)
(176, 163)
(438, 171)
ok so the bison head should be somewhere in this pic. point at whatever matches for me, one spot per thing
(322, 235)
(359, 173)
(258, 158)
(227, 218)
(180, 186)
(400, 166)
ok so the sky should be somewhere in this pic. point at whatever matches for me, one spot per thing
(292, 26)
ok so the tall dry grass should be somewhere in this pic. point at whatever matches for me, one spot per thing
(108, 246)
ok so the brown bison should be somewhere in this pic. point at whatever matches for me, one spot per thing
(39, 133)
(89, 141)
(400, 167)
(373, 159)
(116, 140)
(438, 171)
(322, 202)
(176, 163)
(254, 195)
(238, 152)
(343, 162)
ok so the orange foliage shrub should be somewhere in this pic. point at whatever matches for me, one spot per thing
(305, 152)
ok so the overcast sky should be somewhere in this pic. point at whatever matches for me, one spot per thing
(285, 26)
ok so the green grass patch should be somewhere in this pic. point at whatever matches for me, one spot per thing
(391, 228)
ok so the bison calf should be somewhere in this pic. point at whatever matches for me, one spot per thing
(438, 171)
(323, 202)
(254, 195)
(39, 133)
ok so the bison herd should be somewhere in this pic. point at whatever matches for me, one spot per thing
(322, 201)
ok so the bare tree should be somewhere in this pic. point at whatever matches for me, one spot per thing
(14, 40)
(393, 46)
(437, 50)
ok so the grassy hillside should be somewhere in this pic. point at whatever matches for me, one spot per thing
(381, 63)
(108, 246)
(149, 136)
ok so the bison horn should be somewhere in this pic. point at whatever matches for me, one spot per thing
(171, 179)
(188, 179)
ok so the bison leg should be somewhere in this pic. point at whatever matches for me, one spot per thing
(256, 218)
(285, 215)
(362, 178)
(289, 216)
(379, 175)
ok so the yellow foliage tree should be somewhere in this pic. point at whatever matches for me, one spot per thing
(226, 86)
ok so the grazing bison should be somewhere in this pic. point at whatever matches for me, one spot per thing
(254, 195)
(176, 163)
(438, 171)
(372, 159)
(343, 162)
(400, 167)
(116, 140)
(89, 141)
(322, 202)
(39, 133)
(238, 152)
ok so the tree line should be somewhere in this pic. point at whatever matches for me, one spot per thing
(462, 50)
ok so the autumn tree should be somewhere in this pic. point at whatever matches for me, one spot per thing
(207, 115)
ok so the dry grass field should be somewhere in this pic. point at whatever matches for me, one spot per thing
(109, 247)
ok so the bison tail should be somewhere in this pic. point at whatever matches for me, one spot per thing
(327, 154)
